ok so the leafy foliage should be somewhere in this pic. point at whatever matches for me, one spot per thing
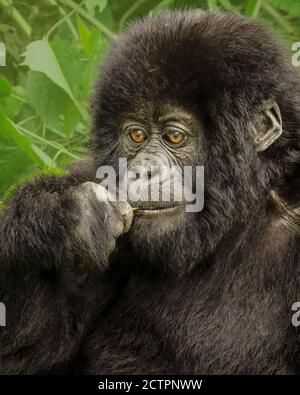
(54, 48)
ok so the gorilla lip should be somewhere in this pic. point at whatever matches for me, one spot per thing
(156, 210)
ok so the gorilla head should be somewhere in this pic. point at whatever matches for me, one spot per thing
(192, 89)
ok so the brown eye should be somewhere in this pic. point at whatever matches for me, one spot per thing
(138, 136)
(175, 137)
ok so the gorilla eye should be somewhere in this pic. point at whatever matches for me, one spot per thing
(174, 137)
(137, 135)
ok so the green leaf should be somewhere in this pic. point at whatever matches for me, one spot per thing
(10, 134)
(97, 44)
(165, 4)
(51, 102)
(69, 59)
(39, 56)
(227, 5)
(84, 35)
(71, 118)
(290, 6)
(5, 86)
(45, 97)
(10, 106)
(92, 4)
(212, 5)
(43, 156)
(253, 8)
(14, 163)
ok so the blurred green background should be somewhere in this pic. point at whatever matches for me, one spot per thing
(53, 50)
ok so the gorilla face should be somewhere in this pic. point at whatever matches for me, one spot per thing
(162, 145)
(159, 145)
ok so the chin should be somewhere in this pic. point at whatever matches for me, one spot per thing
(152, 228)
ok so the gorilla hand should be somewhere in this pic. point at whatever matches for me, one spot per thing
(101, 220)
(54, 221)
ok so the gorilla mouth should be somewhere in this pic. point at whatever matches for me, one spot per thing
(157, 210)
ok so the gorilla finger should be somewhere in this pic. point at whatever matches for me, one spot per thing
(118, 229)
(111, 246)
(126, 211)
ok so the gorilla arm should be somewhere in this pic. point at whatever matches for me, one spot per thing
(54, 236)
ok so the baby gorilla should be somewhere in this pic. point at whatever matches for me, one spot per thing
(98, 285)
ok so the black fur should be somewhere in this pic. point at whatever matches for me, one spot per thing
(212, 297)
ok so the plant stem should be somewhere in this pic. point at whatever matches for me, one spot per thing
(17, 17)
(69, 23)
(256, 9)
(277, 17)
(48, 142)
(26, 120)
(129, 12)
(66, 18)
(17, 97)
(89, 18)
(54, 159)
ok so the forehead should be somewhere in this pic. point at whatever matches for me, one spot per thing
(150, 112)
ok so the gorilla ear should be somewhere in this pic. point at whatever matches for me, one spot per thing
(268, 127)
